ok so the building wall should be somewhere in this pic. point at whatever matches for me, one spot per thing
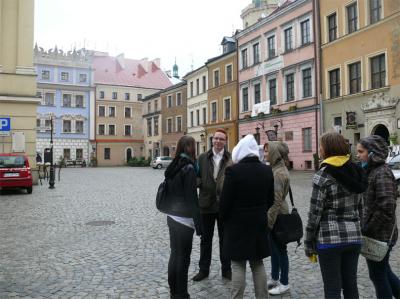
(152, 141)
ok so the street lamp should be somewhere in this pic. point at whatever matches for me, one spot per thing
(52, 172)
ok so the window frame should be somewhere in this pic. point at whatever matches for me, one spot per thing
(356, 79)
(352, 21)
(214, 104)
(115, 129)
(332, 31)
(310, 83)
(227, 117)
(336, 86)
(305, 39)
(242, 98)
(274, 102)
(290, 88)
(115, 111)
(372, 73)
(255, 92)
(288, 46)
(98, 111)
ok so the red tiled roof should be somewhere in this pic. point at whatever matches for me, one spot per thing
(135, 73)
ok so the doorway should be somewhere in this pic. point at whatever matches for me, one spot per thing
(382, 131)
(128, 154)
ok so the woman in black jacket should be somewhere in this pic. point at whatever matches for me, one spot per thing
(181, 206)
(247, 194)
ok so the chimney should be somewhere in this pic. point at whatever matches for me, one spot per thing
(121, 60)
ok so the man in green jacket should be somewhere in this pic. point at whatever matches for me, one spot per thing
(212, 166)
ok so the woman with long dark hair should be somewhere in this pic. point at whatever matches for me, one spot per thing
(183, 214)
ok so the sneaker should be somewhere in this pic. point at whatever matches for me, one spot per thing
(279, 289)
(272, 283)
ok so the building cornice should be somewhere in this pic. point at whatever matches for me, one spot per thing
(10, 98)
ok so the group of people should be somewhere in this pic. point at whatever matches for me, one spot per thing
(244, 192)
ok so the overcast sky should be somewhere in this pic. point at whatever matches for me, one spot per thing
(186, 29)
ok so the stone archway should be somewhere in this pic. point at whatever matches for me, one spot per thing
(382, 131)
(166, 151)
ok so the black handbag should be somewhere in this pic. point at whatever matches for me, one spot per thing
(288, 227)
(161, 196)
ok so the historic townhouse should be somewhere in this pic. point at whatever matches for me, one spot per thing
(174, 113)
(360, 67)
(197, 81)
(121, 84)
(277, 81)
(152, 125)
(256, 10)
(222, 94)
(65, 86)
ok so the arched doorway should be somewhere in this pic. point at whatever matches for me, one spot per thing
(128, 154)
(382, 131)
(166, 151)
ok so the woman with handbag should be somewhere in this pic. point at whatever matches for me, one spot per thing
(333, 231)
(276, 153)
(379, 219)
(181, 206)
(247, 194)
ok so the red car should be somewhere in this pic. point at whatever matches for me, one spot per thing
(15, 172)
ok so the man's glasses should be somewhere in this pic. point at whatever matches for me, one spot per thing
(218, 139)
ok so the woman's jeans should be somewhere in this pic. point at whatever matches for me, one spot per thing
(387, 284)
(339, 271)
(279, 261)
(181, 237)
(239, 279)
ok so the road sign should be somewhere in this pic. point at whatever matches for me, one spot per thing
(5, 126)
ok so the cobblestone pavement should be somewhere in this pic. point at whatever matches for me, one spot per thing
(47, 250)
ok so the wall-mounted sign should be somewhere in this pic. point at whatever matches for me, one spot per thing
(263, 107)
(5, 126)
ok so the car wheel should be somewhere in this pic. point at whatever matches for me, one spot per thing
(159, 166)
(29, 190)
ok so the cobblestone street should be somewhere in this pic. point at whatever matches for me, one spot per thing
(49, 248)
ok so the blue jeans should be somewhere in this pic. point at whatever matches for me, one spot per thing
(387, 284)
(279, 261)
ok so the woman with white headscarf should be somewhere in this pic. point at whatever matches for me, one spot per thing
(247, 195)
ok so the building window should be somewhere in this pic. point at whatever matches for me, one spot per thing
(271, 47)
(288, 39)
(216, 78)
(127, 96)
(352, 18)
(337, 121)
(245, 99)
(169, 101)
(272, 91)
(198, 117)
(355, 77)
(102, 129)
(256, 53)
(204, 84)
(227, 106)
(305, 32)
(79, 101)
(82, 78)
(45, 75)
(244, 58)
(307, 140)
(79, 153)
(38, 122)
(191, 89)
(102, 111)
(204, 115)
(289, 87)
(307, 85)
(101, 94)
(169, 125)
(64, 76)
(197, 86)
(66, 126)
(128, 112)
(149, 127)
(214, 112)
(191, 119)
(114, 95)
(156, 126)
(47, 124)
(332, 27)
(139, 96)
(229, 73)
(107, 153)
(49, 99)
(156, 105)
(375, 9)
(257, 93)
(178, 99)
(111, 111)
(378, 71)
(67, 100)
(67, 153)
(334, 83)
(148, 107)
(79, 126)
(179, 124)
(111, 129)
(128, 130)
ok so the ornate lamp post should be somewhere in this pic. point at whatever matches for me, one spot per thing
(52, 172)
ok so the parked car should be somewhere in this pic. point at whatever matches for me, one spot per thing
(394, 164)
(160, 162)
(15, 172)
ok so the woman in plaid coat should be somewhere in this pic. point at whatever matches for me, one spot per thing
(333, 230)
(379, 220)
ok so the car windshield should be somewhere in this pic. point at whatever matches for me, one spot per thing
(12, 161)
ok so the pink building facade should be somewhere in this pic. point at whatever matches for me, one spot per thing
(278, 84)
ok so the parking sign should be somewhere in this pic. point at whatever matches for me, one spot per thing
(5, 126)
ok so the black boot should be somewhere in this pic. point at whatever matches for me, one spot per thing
(200, 276)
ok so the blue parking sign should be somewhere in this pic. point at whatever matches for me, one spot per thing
(5, 126)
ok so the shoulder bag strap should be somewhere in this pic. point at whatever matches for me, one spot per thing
(291, 196)
(394, 228)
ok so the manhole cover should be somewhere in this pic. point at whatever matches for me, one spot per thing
(100, 223)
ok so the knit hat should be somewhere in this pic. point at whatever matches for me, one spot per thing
(377, 146)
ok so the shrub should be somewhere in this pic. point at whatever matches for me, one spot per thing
(139, 162)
